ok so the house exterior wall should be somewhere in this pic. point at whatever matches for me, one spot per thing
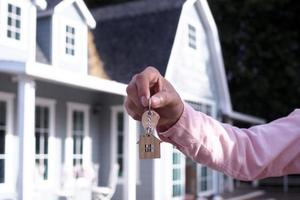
(99, 123)
(9, 47)
(192, 64)
(11, 166)
(69, 16)
(192, 72)
(145, 178)
(144, 183)
(51, 37)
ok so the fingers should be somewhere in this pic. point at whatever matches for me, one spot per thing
(146, 80)
(161, 99)
(134, 111)
(132, 93)
(140, 89)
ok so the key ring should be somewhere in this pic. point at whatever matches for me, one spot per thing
(149, 129)
(149, 105)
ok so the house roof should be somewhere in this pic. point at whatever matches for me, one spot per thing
(41, 4)
(52, 3)
(132, 36)
(59, 5)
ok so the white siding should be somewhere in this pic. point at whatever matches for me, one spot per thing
(78, 62)
(191, 63)
(9, 47)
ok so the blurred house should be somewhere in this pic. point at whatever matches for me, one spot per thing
(61, 113)
(56, 120)
(180, 38)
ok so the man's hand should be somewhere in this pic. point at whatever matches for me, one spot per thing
(164, 98)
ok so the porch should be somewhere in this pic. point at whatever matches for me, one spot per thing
(60, 131)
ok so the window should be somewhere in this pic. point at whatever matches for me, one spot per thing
(2, 140)
(70, 40)
(120, 154)
(204, 174)
(205, 178)
(14, 22)
(178, 173)
(78, 136)
(192, 36)
(78, 143)
(42, 130)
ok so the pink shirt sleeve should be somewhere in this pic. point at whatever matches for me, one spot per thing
(261, 151)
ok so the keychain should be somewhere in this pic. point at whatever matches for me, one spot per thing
(149, 145)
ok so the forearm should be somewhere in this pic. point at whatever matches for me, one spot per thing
(244, 154)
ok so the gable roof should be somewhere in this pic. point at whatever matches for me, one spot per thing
(132, 36)
(52, 3)
(56, 5)
(41, 4)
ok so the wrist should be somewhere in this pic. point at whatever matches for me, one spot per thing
(172, 121)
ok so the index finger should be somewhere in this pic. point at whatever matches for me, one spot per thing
(145, 81)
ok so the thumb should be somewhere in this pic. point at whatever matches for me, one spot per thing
(160, 99)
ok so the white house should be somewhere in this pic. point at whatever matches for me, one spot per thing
(53, 114)
(180, 38)
(58, 123)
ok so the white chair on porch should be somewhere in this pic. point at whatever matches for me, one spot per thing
(106, 193)
(78, 182)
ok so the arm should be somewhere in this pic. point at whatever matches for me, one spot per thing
(261, 151)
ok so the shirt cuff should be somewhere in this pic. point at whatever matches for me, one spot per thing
(179, 134)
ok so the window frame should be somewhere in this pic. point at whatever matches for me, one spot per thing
(58, 55)
(50, 104)
(25, 6)
(59, 24)
(8, 98)
(181, 167)
(86, 145)
(114, 142)
(192, 36)
(70, 46)
(115, 110)
(15, 17)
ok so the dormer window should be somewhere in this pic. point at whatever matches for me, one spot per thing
(14, 22)
(70, 40)
(192, 36)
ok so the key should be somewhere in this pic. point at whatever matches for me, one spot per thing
(149, 145)
(153, 116)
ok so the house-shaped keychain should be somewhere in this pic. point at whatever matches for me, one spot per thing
(149, 146)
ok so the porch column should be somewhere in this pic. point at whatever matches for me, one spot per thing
(130, 148)
(26, 114)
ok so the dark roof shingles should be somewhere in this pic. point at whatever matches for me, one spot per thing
(52, 3)
(130, 43)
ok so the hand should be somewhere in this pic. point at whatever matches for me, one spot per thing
(164, 98)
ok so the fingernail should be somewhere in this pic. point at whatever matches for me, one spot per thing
(144, 101)
(155, 100)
